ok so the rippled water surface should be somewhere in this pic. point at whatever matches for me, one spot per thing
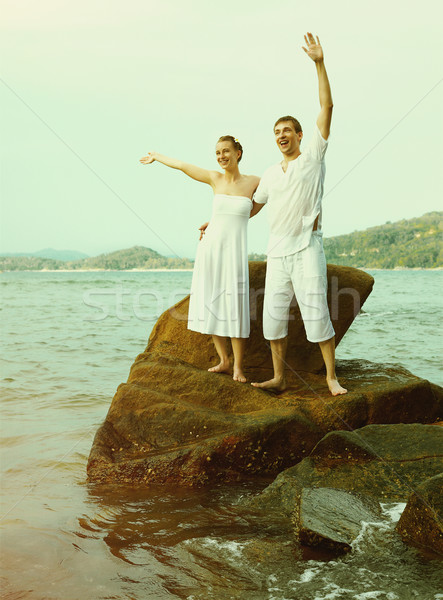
(68, 340)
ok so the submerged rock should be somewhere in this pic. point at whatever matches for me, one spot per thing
(332, 519)
(383, 461)
(421, 523)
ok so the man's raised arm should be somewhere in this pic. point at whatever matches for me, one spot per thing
(315, 52)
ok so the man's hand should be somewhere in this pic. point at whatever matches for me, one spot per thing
(313, 50)
(148, 159)
(202, 230)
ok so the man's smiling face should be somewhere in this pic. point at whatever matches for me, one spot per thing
(287, 139)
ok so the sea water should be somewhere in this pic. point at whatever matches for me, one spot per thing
(68, 341)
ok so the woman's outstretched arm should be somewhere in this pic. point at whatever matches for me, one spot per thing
(196, 173)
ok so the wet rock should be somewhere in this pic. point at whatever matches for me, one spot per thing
(172, 422)
(421, 523)
(332, 519)
(348, 289)
(383, 461)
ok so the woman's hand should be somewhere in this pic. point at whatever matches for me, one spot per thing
(202, 230)
(148, 159)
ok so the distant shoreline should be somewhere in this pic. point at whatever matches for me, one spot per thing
(98, 271)
(188, 270)
(399, 268)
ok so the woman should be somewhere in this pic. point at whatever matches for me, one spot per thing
(219, 302)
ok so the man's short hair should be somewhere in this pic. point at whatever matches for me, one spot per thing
(294, 121)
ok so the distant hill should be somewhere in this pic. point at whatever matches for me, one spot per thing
(137, 257)
(411, 243)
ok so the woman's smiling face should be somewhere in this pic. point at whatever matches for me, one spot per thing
(226, 154)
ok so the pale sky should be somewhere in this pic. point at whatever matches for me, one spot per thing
(88, 87)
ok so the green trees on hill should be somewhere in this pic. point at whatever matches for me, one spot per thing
(412, 243)
(29, 263)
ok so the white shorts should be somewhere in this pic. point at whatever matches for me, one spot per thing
(302, 274)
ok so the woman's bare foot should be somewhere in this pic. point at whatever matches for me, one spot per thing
(335, 388)
(222, 367)
(273, 385)
(238, 375)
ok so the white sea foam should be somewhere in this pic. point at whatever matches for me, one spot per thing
(314, 570)
(376, 595)
(375, 315)
(308, 575)
(333, 591)
(367, 532)
(393, 510)
(234, 548)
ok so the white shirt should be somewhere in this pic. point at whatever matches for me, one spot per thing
(294, 198)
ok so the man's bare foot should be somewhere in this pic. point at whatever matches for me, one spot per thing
(335, 388)
(222, 367)
(239, 375)
(273, 385)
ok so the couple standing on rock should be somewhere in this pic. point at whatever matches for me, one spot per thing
(293, 188)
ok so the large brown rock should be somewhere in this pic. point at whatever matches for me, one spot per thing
(348, 289)
(172, 422)
(175, 422)
(385, 462)
(421, 523)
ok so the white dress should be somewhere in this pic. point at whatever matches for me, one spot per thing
(219, 302)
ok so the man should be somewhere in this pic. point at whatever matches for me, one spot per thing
(293, 189)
